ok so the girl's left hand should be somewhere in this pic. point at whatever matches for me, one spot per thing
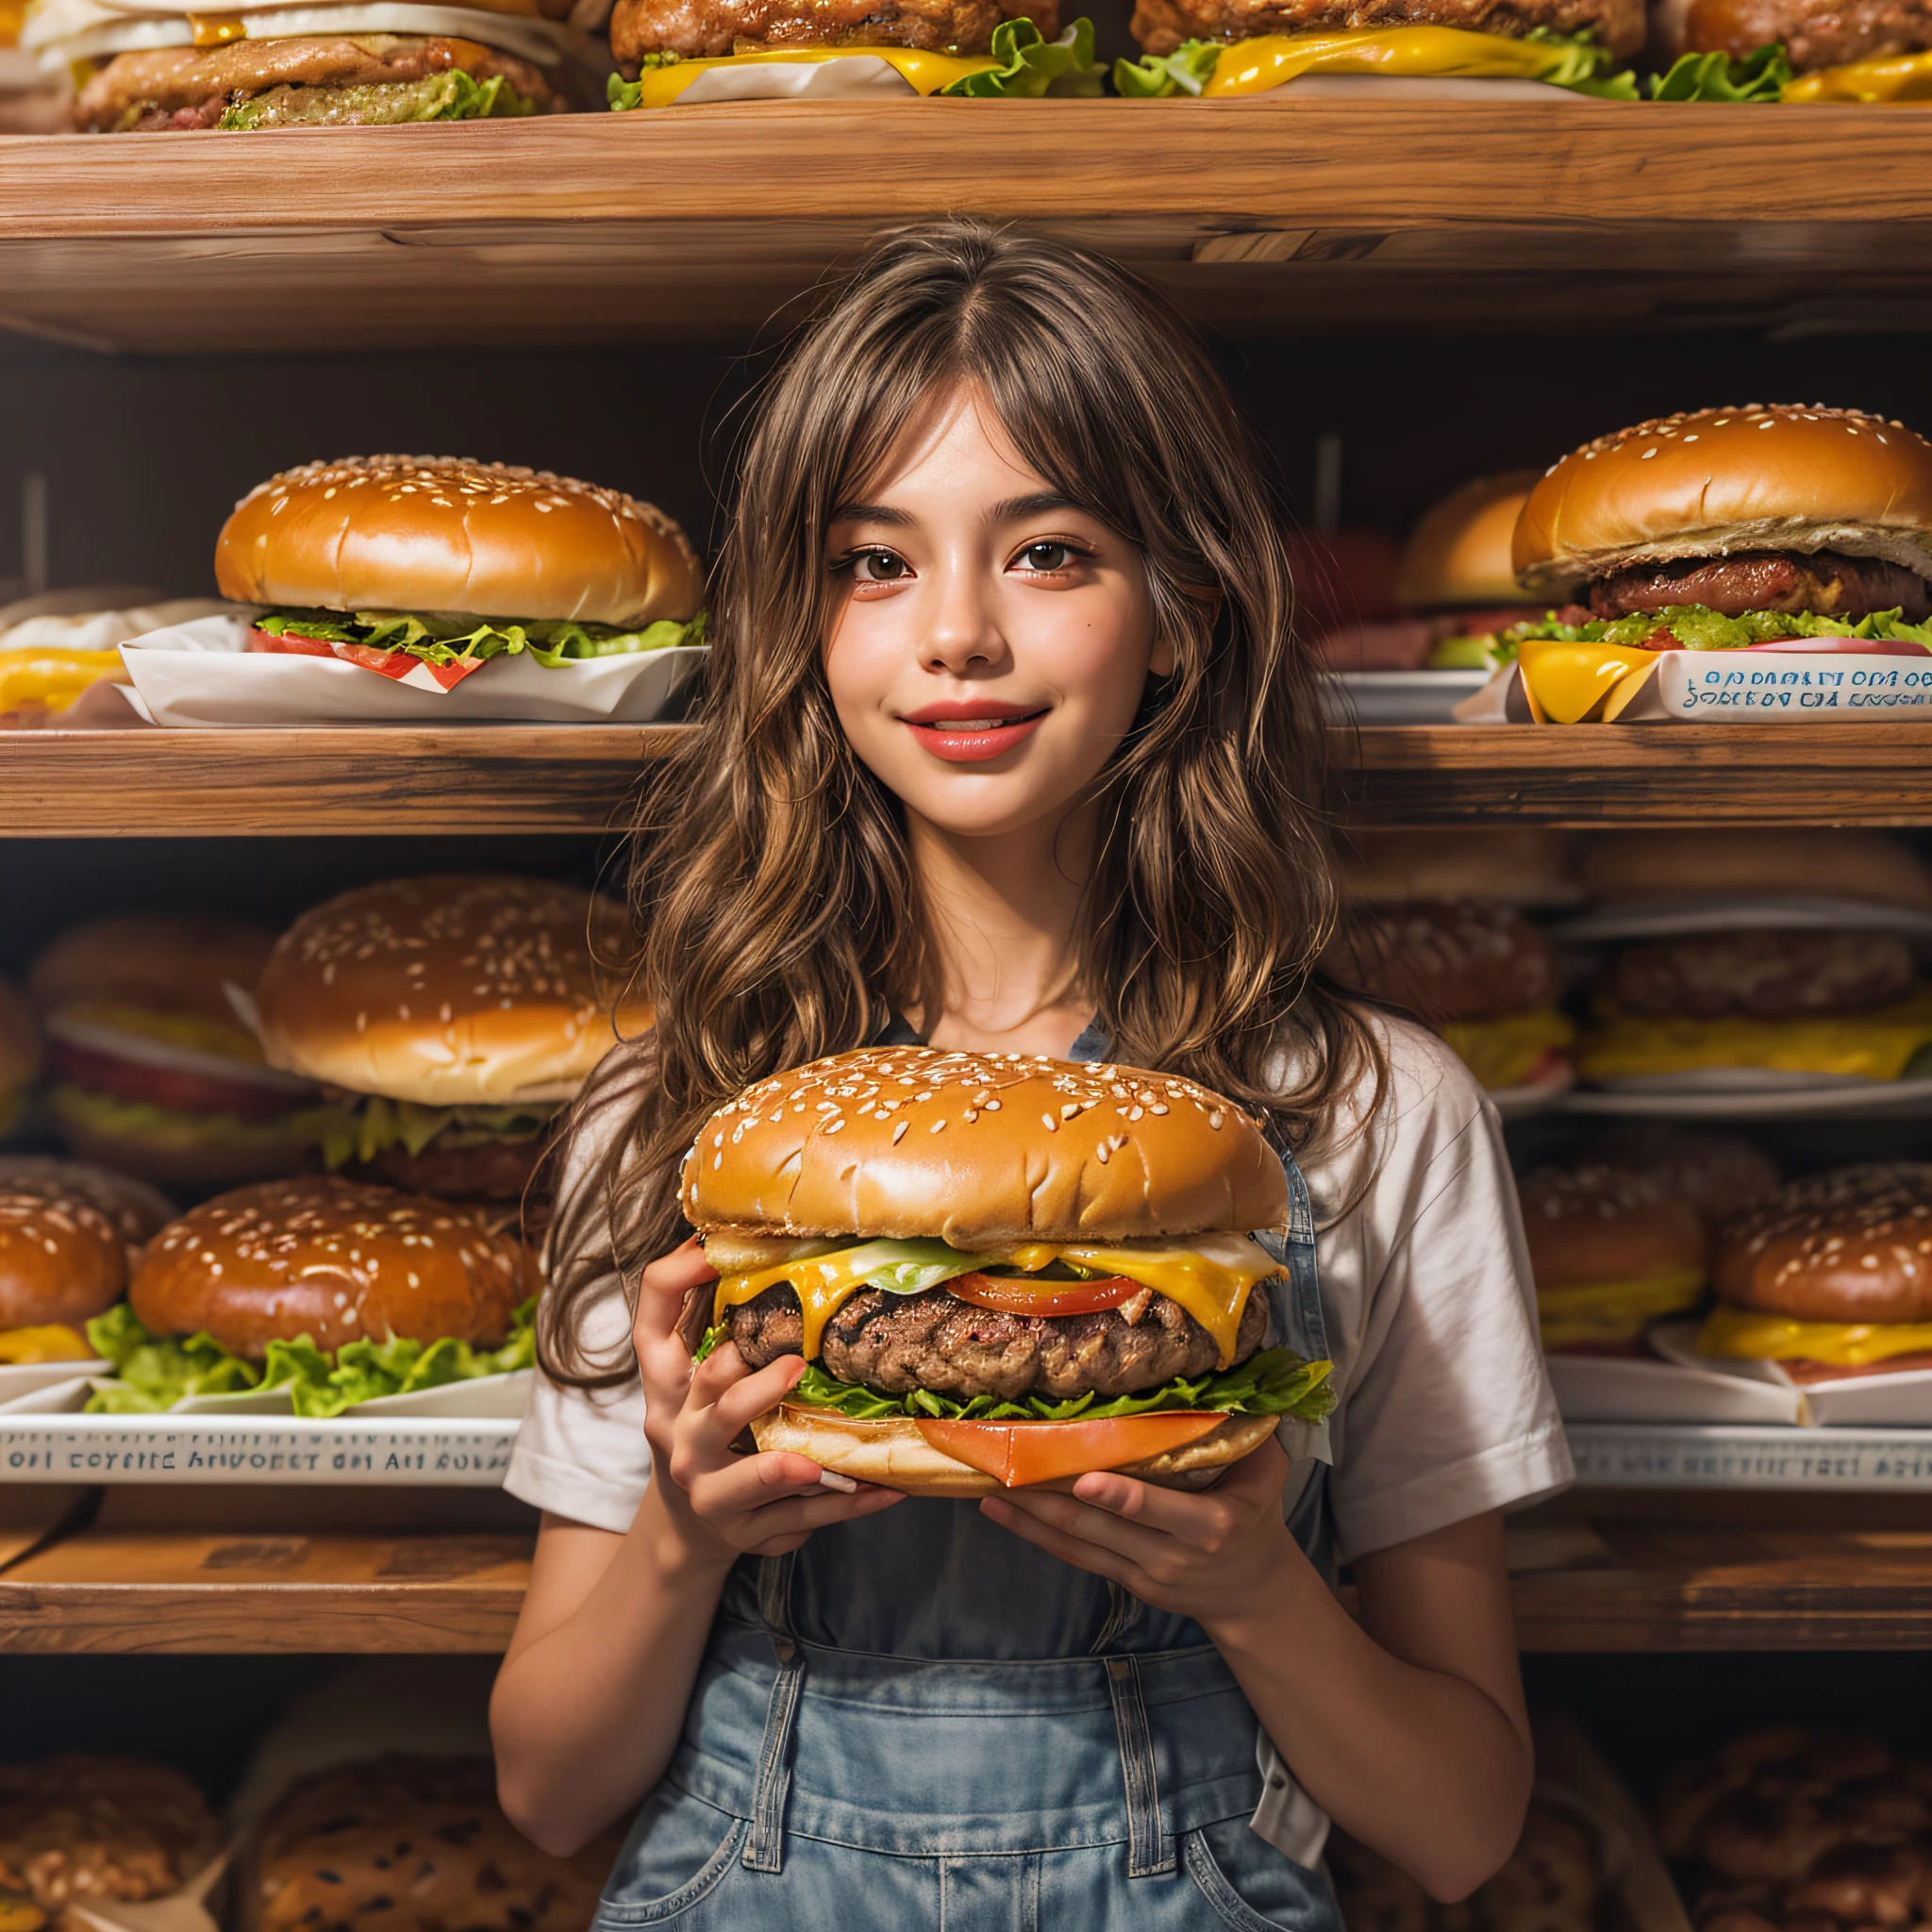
(1219, 1555)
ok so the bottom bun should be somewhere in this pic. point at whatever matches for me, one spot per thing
(895, 1454)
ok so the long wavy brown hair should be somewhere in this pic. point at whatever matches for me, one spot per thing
(777, 912)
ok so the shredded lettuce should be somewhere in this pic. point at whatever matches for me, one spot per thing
(1160, 76)
(452, 96)
(1031, 66)
(1696, 627)
(155, 1371)
(1760, 76)
(625, 95)
(1587, 66)
(359, 1129)
(464, 640)
(112, 1113)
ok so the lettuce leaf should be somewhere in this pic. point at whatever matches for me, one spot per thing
(1160, 76)
(452, 96)
(1031, 66)
(1760, 76)
(155, 1371)
(1585, 67)
(625, 95)
(143, 1120)
(452, 641)
(361, 1128)
(1696, 627)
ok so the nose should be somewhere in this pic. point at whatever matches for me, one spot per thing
(963, 631)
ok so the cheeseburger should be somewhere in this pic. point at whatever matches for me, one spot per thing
(1828, 52)
(1001, 1269)
(392, 562)
(337, 1290)
(447, 1020)
(153, 1073)
(1830, 1277)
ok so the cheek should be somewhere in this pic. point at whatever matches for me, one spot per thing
(1094, 650)
(864, 660)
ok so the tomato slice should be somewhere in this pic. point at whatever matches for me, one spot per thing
(291, 644)
(1014, 1295)
(1015, 1454)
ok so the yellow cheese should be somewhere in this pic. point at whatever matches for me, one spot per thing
(1504, 1053)
(1762, 1338)
(1614, 1310)
(1211, 1280)
(47, 1342)
(1878, 1046)
(1578, 684)
(50, 679)
(924, 73)
(1270, 60)
(1895, 78)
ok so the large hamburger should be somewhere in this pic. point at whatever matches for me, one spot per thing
(1867, 50)
(447, 1020)
(394, 561)
(337, 1290)
(154, 1074)
(1830, 1277)
(1001, 1269)
(1765, 528)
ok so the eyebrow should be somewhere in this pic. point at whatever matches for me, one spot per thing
(1014, 509)
(870, 513)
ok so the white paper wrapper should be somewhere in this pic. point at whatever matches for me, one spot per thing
(21, 1379)
(1900, 1399)
(199, 674)
(1617, 1389)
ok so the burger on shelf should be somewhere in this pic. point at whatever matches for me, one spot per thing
(1772, 531)
(153, 1073)
(1715, 1175)
(336, 1291)
(1000, 1268)
(447, 1020)
(59, 648)
(1436, 924)
(152, 68)
(1833, 52)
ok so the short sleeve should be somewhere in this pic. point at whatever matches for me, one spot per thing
(1445, 1407)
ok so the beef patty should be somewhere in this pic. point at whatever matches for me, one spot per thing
(1826, 584)
(1816, 33)
(1162, 26)
(1768, 976)
(933, 1340)
(706, 29)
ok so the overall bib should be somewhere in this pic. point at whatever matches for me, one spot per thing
(920, 1720)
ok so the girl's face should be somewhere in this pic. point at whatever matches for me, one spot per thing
(987, 644)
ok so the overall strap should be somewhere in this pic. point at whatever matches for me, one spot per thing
(765, 1849)
(1150, 1851)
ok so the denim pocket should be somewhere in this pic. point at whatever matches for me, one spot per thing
(1252, 1887)
(680, 1852)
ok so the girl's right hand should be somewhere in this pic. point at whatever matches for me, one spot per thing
(721, 1504)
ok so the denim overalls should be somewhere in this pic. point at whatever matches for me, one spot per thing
(920, 1720)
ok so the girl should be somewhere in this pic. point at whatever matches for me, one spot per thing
(1008, 747)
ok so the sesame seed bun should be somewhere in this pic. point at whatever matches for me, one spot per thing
(167, 962)
(1458, 554)
(1714, 482)
(332, 1260)
(1741, 861)
(1717, 1175)
(1854, 1245)
(451, 535)
(981, 1149)
(1591, 1225)
(69, 1235)
(453, 990)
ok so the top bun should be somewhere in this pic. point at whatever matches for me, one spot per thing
(1715, 861)
(1458, 554)
(67, 1242)
(981, 1150)
(1716, 1174)
(451, 991)
(1587, 1226)
(1760, 476)
(1516, 865)
(448, 534)
(161, 962)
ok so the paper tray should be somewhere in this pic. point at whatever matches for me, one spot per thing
(1900, 1400)
(1399, 697)
(1649, 919)
(1620, 1388)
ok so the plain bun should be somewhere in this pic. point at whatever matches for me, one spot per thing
(1714, 861)
(1515, 865)
(895, 1454)
(334, 1260)
(452, 535)
(163, 962)
(453, 990)
(1591, 1225)
(70, 1236)
(1776, 477)
(981, 1150)
(1458, 554)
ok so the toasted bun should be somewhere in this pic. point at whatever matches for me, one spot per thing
(1854, 1245)
(329, 1853)
(1717, 1175)
(457, 990)
(1776, 477)
(1590, 1224)
(895, 1455)
(334, 1260)
(1742, 862)
(1458, 554)
(979, 1149)
(165, 963)
(19, 1044)
(70, 1236)
(1446, 959)
(449, 534)
(1513, 866)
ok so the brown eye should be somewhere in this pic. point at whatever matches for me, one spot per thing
(1047, 558)
(883, 567)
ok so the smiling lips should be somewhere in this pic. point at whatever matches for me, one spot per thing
(973, 730)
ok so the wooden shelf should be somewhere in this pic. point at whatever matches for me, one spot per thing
(1270, 214)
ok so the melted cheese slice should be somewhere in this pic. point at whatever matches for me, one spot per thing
(1761, 1337)
(1896, 78)
(1211, 1280)
(1272, 60)
(1614, 1310)
(1578, 684)
(924, 72)
(1504, 1052)
(50, 681)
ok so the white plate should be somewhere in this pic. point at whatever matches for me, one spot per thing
(1399, 697)
(1653, 918)
(1516, 1103)
(1788, 1096)
(1900, 1399)
(1622, 1389)
(27, 1378)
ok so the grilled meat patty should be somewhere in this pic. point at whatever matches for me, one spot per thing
(935, 1340)
(706, 29)
(1816, 33)
(1766, 975)
(1162, 26)
(1826, 584)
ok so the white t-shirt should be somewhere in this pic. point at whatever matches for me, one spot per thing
(1443, 1409)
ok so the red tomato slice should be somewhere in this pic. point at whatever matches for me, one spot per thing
(1015, 1454)
(176, 1088)
(291, 644)
(1013, 1295)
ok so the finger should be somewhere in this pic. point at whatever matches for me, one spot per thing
(1204, 1519)
(799, 1516)
(1068, 1548)
(745, 1483)
(726, 1396)
(661, 1289)
(1069, 1516)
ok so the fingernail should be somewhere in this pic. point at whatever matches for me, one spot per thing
(831, 1479)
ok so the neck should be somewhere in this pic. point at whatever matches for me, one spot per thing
(1004, 914)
